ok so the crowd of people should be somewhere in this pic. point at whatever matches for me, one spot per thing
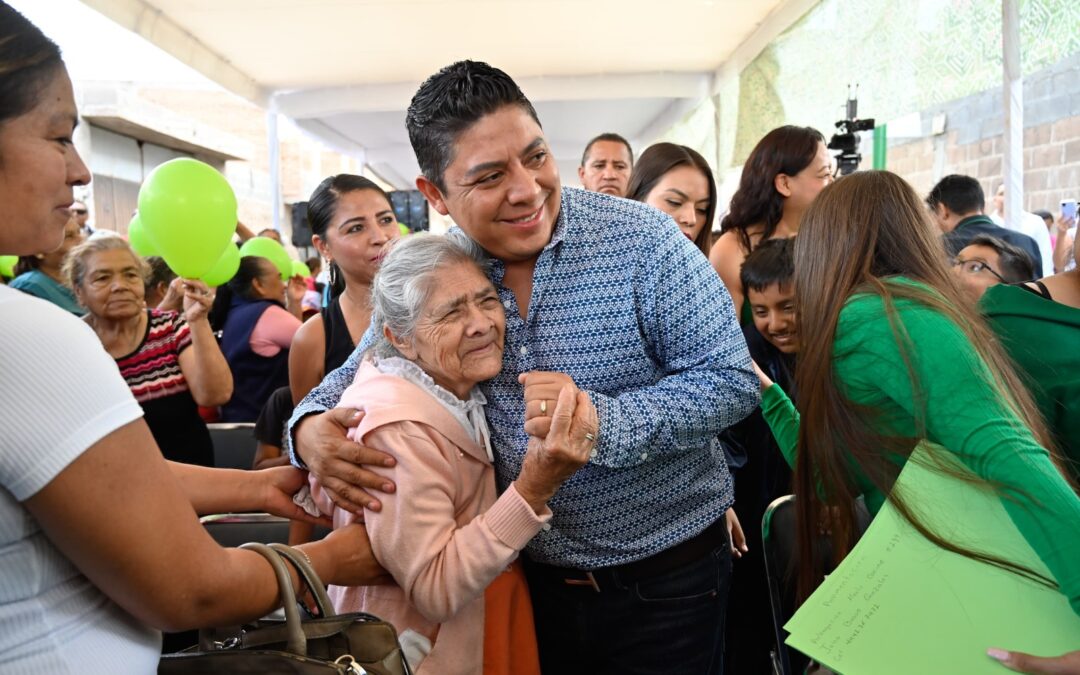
(546, 439)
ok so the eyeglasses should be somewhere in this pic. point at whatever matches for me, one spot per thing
(976, 267)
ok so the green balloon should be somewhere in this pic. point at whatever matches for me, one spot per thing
(404, 229)
(137, 237)
(300, 269)
(188, 212)
(264, 247)
(7, 265)
(225, 268)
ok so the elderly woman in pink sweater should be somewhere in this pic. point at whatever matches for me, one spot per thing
(449, 540)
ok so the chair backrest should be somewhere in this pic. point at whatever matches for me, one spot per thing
(780, 548)
(234, 529)
(234, 445)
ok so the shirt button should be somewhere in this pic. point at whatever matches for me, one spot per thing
(644, 456)
(524, 350)
(592, 454)
(508, 305)
(546, 527)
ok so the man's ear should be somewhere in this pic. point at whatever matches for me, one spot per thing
(433, 194)
(782, 184)
(581, 174)
(402, 346)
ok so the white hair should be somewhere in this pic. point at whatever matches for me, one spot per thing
(406, 277)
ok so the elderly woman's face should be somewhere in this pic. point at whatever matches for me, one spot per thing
(459, 337)
(112, 287)
(38, 169)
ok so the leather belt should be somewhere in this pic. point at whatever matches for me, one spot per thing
(677, 556)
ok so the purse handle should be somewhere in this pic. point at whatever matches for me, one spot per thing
(309, 577)
(296, 641)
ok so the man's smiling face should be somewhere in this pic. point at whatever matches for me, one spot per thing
(502, 185)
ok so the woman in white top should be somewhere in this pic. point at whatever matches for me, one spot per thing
(100, 546)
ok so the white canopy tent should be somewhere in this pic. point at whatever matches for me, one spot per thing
(345, 70)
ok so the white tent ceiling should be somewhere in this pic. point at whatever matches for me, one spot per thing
(345, 70)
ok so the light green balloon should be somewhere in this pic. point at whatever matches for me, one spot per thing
(188, 211)
(137, 237)
(404, 229)
(7, 265)
(225, 268)
(264, 247)
(300, 269)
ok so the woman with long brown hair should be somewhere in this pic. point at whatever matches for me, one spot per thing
(892, 357)
(677, 180)
(783, 174)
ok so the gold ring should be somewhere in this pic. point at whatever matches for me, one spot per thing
(590, 437)
(543, 406)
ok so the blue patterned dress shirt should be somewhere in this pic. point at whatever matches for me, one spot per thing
(624, 304)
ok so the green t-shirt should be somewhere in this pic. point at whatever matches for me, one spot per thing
(962, 414)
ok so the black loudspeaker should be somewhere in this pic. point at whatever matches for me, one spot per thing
(301, 231)
(411, 209)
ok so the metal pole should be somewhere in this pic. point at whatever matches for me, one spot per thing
(275, 165)
(1012, 162)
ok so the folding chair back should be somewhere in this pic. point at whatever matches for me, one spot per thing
(234, 445)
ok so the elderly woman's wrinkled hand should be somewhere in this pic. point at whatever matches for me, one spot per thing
(197, 299)
(568, 445)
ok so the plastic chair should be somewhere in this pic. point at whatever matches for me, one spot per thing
(778, 533)
(234, 445)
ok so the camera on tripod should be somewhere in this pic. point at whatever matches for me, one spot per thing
(844, 140)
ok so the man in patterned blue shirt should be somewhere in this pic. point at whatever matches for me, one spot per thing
(605, 295)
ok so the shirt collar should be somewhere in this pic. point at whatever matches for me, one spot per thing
(470, 413)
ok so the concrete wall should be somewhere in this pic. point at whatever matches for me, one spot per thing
(972, 143)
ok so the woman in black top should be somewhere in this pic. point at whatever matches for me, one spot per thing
(351, 222)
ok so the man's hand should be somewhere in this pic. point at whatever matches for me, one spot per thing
(541, 393)
(338, 463)
(279, 484)
(1066, 664)
(736, 537)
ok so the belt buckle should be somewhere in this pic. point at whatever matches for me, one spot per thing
(589, 580)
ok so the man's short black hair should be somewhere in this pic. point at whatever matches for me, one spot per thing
(610, 137)
(451, 101)
(771, 263)
(960, 194)
(1014, 263)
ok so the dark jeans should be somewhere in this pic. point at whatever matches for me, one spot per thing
(669, 623)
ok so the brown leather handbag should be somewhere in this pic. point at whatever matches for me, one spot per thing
(343, 644)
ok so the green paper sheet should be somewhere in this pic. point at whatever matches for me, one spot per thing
(899, 604)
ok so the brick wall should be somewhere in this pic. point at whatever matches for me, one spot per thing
(973, 142)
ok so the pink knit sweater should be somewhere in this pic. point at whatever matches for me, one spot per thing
(444, 534)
